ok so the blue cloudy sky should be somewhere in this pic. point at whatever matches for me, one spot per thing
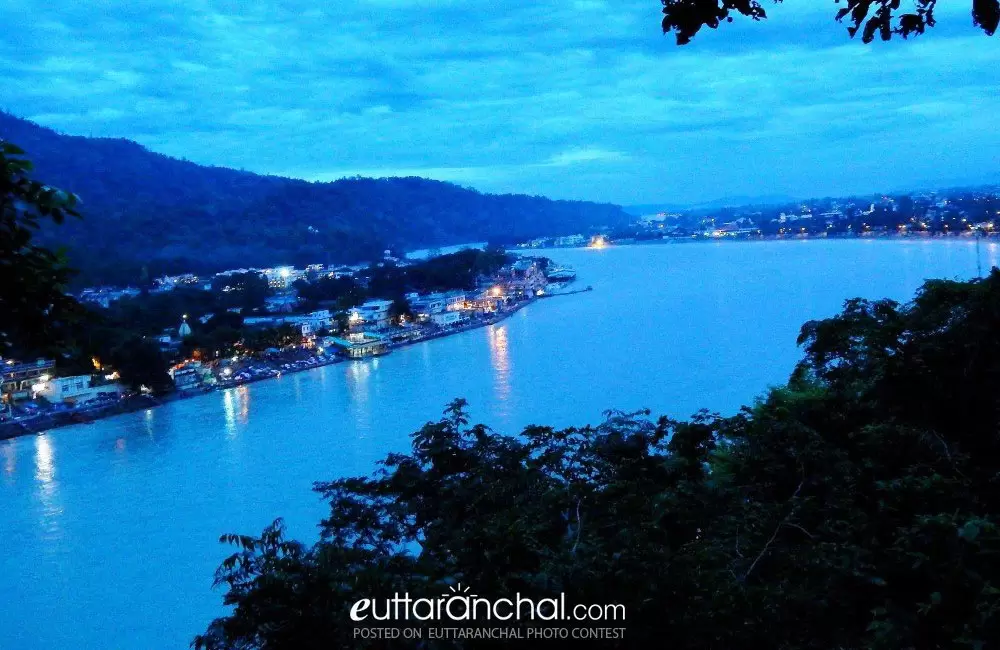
(567, 98)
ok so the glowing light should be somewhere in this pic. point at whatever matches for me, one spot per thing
(496, 292)
(227, 371)
(598, 241)
(285, 272)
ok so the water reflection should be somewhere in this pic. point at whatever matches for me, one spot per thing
(236, 408)
(359, 388)
(229, 410)
(9, 458)
(992, 258)
(243, 398)
(183, 474)
(148, 419)
(45, 474)
(500, 359)
(44, 467)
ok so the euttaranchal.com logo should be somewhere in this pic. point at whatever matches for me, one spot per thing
(458, 613)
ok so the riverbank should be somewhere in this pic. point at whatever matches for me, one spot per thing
(966, 236)
(42, 423)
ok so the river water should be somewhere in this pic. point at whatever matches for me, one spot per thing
(110, 530)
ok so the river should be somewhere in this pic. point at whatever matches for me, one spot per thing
(110, 530)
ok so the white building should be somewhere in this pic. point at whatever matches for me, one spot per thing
(76, 390)
(571, 240)
(424, 307)
(373, 313)
(447, 318)
(311, 322)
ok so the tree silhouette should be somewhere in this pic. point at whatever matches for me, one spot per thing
(36, 314)
(882, 18)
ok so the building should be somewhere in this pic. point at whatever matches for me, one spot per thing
(80, 389)
(446, 318)
(426, 306)
(526, 277)
(192, 377)
(312, 322)
(488, 300)
(373, 313)
(282, 277)
(104, 296)
(18, 378)
(263, 321)
(571, 240)
(282, 302)
(309, 323)
(359, 345)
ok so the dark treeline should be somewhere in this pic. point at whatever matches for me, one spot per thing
(172, 216)
(854, 507)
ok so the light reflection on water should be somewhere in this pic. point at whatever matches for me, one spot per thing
(48, 487)
(500, 358)
(90, 515)
(9, 458)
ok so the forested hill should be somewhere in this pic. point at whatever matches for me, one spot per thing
(144, 209)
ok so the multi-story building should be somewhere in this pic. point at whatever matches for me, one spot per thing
(192, 377)
(526, 277)
(373, 313)
(426, 306)
(80, 389)
(18, 378)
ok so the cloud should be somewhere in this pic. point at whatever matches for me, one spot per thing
(573, 99)
(577, 156)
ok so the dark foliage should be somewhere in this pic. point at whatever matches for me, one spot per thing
(443, 273)
(140, 363)
(246, 291)
(882, 18)
(145, 209)
(855, 507)
(36, 315)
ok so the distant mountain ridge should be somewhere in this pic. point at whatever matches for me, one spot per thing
(144, 209)
(726, 202)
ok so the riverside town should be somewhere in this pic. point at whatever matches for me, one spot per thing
(446, 325)
(180, 335)
(202, 333)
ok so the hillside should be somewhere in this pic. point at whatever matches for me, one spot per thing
(144, 209)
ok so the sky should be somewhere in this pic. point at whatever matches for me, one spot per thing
(577, 99)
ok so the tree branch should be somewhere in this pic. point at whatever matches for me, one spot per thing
(775, 533)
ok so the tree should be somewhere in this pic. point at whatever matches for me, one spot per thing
(400, 309)
(247, 291)
(884, 18)
(36, 314)
(140, 363)
(177, 217)
(855, 507)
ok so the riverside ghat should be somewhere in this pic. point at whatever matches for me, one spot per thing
(36, 398)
